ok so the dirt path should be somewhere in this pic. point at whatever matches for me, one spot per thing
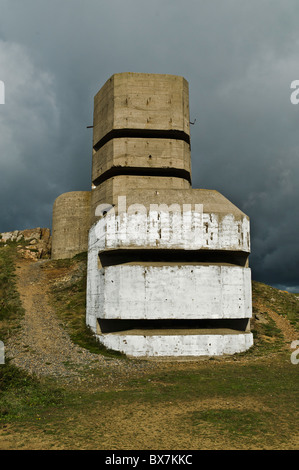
(41, 345)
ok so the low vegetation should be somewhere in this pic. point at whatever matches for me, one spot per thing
(282, 302)
(20, 393)
(247, 401)
(10, 305)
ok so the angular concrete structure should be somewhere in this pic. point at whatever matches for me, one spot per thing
(133, 103)
(168, 271)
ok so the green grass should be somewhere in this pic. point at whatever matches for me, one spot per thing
(22, 395)
(254, 394)
(267, 338)
(234, 424)
(233, 420)
(264, 416)
(223, 379)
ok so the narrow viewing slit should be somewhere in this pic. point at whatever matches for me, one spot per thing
(175, 326)
(136, 256)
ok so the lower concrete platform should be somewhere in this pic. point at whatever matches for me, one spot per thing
(177, 343)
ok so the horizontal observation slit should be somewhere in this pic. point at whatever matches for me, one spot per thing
(142, 134)
(177, 326)
(169, 256)
(138, 171)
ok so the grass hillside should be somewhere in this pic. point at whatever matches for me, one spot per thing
(80, 396)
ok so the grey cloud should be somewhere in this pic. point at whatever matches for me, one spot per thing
(239, 58)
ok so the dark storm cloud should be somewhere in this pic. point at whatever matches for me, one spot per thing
(239, 58)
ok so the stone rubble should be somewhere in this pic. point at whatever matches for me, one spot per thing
(33, 244)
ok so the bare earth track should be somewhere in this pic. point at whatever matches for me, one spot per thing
(43, 347)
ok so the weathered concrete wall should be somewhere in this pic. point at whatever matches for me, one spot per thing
(175, 345)
(212, 200)
(123, 185)
(70, 224)
(143, 102)
(170, 156)
(169, 292)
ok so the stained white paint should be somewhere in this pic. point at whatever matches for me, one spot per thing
(169, 292)
(188, 230)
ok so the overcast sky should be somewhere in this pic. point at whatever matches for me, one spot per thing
(239, 58)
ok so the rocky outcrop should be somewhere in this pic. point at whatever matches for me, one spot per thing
(32, 243)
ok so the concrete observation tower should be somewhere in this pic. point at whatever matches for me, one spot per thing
(168, 271)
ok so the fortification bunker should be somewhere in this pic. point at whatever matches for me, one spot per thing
(168, 271)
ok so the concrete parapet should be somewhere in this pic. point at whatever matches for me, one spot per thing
(173, 220)
(149, 191)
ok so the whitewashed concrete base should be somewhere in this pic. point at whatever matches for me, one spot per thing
(138, 292)
(177, 345)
